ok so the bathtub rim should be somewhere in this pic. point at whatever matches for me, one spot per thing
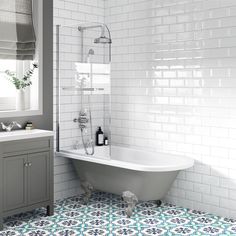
(189, 162)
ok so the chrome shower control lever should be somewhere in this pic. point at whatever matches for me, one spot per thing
(81, 120)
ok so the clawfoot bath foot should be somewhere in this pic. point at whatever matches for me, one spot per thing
(88, 189)
(131, 200)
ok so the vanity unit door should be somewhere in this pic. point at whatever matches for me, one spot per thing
(38, 177)
(14, 182)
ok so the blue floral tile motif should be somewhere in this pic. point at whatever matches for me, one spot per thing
(96, 232)
(183, 230)
(124, 222)
(42, 223)
(72, 214)
(37, 232)
(204, 220)
(74, 206)
(178, 221)
(174, 212)
(148, 213)
(211, 230)
(232, 229)
(69, 223)
(151, 221)
(97, 223)
(196, 213)
(105, 215)
(10, 233)
(98, 213)
(228, 221)
(125, 231)
(68, 232)
(154, 231)
(15, 223)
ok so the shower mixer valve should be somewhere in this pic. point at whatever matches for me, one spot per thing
(82, 120)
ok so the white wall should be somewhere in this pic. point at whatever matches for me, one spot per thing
(174, 90)
(74, 13)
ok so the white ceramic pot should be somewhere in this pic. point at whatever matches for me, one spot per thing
(20, 100)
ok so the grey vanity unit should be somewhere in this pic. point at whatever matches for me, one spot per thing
(26, 172)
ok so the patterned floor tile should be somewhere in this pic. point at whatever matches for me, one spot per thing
(104, 215)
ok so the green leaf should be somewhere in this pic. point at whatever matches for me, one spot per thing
(25, 81)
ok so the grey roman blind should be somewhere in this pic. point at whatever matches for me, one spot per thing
(17, 36)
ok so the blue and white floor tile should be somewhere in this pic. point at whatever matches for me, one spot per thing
(105, 216)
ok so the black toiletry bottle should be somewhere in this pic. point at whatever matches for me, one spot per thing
(99, 137)
(106, 141)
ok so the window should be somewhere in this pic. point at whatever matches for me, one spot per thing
(9, 95)
(8, 92)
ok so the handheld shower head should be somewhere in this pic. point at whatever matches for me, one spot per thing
(90, 53)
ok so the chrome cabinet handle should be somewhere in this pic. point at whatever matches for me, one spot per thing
(29, 164)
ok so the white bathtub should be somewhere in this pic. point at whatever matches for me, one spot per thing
(146, 174)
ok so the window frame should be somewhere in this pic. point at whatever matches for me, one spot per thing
(39, 111)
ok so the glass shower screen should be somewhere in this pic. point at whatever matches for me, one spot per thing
(83, 91)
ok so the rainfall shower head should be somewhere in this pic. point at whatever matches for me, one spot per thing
(103, 40)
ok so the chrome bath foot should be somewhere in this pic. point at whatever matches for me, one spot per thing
(131, 200)
(88, 189)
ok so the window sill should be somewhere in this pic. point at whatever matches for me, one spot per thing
(8, 114)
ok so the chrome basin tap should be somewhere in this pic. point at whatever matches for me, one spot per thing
(9, 127)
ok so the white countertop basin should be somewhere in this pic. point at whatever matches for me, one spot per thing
(24, 134)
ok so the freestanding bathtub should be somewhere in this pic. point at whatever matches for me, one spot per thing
(148, 175)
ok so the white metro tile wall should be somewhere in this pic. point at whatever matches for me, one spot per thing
(174, 90)
(73, 12)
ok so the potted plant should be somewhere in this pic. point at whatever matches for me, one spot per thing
(21, 84)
